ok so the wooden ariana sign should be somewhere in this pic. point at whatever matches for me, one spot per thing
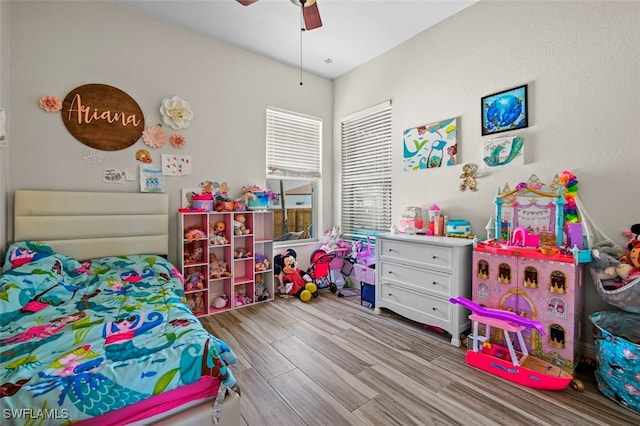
(102, 117)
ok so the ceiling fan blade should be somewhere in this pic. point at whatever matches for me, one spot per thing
(246, 2)
(311, 16)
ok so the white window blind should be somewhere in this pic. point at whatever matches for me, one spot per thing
(366, 171)
(293, 144)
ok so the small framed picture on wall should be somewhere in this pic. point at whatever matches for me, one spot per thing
(504, 111)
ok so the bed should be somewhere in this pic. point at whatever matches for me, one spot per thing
(93, 325)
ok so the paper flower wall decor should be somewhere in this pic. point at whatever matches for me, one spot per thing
(154, 136)
(176, 113)
(50, 103)
(177, 140)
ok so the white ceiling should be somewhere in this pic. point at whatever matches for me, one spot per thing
(353, 31)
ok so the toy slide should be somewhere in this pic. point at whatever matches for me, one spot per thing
(497, 314)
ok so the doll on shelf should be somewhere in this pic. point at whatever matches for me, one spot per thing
(191, 303)
(198, 303)
(216, 233)
(193, 252)
(194, 279)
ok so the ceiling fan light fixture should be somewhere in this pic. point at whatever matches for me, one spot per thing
(306, 3)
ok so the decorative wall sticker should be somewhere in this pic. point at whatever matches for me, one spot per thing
(176, 165)
(176, 113)
(154, 136)
(177, 140)
(50, 103)
(102, 117)
(504, 111)
(425, 147)
(151, 178)
(93, 156)
(143, 156)
(504, 151)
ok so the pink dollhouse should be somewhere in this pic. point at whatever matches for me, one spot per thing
(540, 281)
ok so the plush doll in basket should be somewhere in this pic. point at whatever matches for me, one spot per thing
(606, 261)
(294, 281)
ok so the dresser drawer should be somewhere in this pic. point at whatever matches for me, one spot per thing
(419, 254)
(411, 298)
(426, 279)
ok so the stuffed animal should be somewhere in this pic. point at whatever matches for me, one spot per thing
(262, 263)
(240, 225)
(217, 267)
(468, 177)
(294, 281)
(194, 279)
(634, 254)
(605, 260)
(193, 252)
(220, 302)
(633, 234)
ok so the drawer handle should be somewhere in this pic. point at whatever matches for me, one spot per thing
(390, 294)
(434, 283)
(434, 308)
(434, 257)
(390, 272)
(390, 250)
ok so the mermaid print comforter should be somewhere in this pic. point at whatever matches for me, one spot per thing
(78, 340)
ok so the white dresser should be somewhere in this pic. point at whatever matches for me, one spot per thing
(418, 274)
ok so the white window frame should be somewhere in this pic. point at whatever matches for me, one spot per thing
(294, 152)
(366, 172)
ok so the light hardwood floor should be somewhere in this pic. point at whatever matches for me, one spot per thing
(334, 362)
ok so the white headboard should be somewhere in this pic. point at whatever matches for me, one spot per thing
(86, 225)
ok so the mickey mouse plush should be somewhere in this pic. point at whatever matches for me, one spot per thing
(295, 281)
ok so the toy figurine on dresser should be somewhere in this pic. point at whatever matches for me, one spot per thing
(529, 270)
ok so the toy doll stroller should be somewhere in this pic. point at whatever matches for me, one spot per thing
(322, 263)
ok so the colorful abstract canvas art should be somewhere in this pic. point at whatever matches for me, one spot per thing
(430, 146)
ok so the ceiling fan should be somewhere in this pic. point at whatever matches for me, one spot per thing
(309, 12)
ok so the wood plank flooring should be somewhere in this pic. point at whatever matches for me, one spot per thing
(334, 362)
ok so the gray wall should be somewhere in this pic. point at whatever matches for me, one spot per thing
(56, 46)
(581, 61)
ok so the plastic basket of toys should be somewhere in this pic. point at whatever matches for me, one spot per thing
(617, 346)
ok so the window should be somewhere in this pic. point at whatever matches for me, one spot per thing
(366, 172)
(294, 167)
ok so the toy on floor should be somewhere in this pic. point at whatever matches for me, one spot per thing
(194, 279)
(294, 281)
(516, 366)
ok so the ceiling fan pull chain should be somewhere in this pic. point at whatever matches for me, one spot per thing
(301, 32)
